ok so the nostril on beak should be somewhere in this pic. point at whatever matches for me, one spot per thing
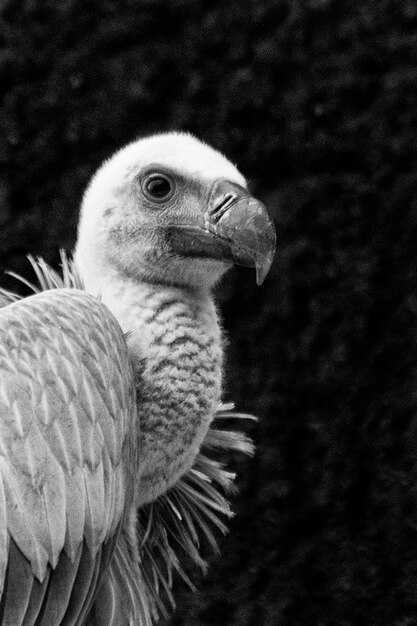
(220, 208)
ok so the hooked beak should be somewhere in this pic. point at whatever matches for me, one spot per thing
(236, 227)
(236, 216)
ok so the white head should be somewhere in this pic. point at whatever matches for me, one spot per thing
(148, 214)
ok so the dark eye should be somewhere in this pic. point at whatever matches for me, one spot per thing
(158, 187)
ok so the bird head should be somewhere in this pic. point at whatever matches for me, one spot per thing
(170, 209)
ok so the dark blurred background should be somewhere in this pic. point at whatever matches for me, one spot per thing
(316, 101)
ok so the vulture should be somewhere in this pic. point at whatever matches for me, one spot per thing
(110, 390)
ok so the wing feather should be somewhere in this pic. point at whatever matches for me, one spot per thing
(4, 535)
(106, 605)
(18, 589)
(92, 588)
(39, 589)
(95, 510)
(85, 573)
(109, 494)
(55, 506)
(76, 512)
(61, 587)
(20, 523)
(40, 477)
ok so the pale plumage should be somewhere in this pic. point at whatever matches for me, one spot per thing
(67, 445)
(97, 424)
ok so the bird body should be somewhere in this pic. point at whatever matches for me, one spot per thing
(107, 394)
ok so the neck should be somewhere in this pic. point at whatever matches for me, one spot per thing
(174, 339)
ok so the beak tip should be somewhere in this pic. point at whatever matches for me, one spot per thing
(262, 268)
(245, 224)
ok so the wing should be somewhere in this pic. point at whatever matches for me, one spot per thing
(67, 453)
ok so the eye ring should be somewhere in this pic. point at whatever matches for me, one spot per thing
(158, 187)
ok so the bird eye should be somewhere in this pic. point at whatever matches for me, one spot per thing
(158, 187)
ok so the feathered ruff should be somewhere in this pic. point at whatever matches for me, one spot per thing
(173, 529)
(47, 278)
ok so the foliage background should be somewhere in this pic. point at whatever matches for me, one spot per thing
(317, 103)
